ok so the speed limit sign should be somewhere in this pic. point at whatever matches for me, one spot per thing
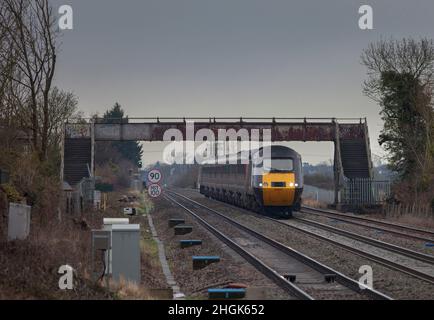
(154, 176)
(154, 190)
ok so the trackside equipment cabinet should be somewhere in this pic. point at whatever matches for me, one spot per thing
(126, 252)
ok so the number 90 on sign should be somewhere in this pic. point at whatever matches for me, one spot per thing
(154, 176)
(154, 190)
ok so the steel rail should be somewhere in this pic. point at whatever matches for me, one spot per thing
(377, 243)
(340, 277)
(348, 219)
(380, 260)
(381, 244)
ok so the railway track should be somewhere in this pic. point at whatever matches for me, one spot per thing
(276, 260)
(421, 265)
(380, 244)
(389, 227)
(398, 266)
(272, 274)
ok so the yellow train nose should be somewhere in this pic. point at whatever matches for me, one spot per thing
(278, 189)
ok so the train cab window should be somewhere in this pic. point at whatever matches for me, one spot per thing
(277, 165)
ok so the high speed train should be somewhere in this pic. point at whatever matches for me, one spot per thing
(271, 181)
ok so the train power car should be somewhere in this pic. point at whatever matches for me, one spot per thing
(270, 185)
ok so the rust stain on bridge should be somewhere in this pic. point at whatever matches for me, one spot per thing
(352, 156)
(281, 130)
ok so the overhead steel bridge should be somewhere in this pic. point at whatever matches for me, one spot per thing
(352, 153)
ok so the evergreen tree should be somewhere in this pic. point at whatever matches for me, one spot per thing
(130, 150)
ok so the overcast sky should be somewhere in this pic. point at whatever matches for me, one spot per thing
(223, 58)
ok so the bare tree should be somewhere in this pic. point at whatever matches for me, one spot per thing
(61, 106)
(406, 56)
(28, 29)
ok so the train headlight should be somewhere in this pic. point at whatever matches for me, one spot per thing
(260, 184)
(296, 184)
(291, 184)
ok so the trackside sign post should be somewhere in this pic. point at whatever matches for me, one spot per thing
(154, 190)
(154, 177)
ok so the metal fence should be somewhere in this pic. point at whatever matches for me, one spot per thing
(82, 198)
(365, 191)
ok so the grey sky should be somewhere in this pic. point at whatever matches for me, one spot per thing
(230, 58)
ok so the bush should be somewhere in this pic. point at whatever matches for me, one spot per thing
(11, 193)
(35, 182)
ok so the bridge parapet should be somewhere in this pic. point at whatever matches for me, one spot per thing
(282, 129)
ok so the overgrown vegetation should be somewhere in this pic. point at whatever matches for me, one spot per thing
(32, 110)
(32, 114)
(401, 75)
(28, 56)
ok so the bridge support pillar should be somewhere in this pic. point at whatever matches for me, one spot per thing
(337, 166)
(92, 146)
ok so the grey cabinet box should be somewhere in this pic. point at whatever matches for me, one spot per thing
(108, 222)
(126, 252)
(19, 221)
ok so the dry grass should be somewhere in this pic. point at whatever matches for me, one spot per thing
(151, 273)
(29, 268)
(420, 215)
(127, 290)
(416, 221)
